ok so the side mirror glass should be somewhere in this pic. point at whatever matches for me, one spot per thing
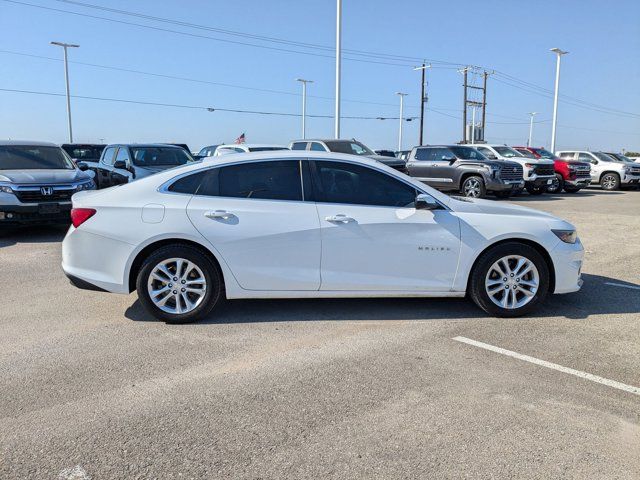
(426, 202)
(82, 166)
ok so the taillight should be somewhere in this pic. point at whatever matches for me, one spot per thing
(81, 215)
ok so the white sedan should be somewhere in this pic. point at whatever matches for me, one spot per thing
(307, 225)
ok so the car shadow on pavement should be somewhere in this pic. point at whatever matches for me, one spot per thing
(561, 196)
(596, 297)
(10, 235)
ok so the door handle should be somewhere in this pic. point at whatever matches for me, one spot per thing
(339, 218)
(219, 214)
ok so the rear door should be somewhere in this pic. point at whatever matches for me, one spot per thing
(373, 238)
(432, 165)
(258, 217)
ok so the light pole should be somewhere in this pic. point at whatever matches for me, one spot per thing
(530, 141)
(304, 104)
(66, 79)
(401, 95)
(423, 100)
(558, 53)
(338, 55)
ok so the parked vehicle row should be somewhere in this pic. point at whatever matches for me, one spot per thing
(293, 224)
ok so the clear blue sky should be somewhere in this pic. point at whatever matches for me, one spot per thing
(511, 36)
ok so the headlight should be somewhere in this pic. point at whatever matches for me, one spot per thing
(627, 169)
(86, 186)
(567, 236)
(529, 165)
(5, 189)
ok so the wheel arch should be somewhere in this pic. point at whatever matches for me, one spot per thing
(607, 172)
(526, 241)
(141, 255)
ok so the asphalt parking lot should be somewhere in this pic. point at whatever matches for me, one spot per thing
(91, 386)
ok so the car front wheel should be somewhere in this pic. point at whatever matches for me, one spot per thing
(179, 284)
(556, 185)
(610, 181)
(473, 187)
(509, 280)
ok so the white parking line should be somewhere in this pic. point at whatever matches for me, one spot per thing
(554, 366)
(633, 287)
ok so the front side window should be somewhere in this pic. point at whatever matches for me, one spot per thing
(352, 148)
(507, 152)
(299, 146)
(468, 153)
(24, 157)
(317, 147)
(359, 185)
(273, 180)
(123, 154)
(109, 153)
(158, 156)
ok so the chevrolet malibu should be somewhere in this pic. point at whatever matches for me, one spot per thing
(290, 224)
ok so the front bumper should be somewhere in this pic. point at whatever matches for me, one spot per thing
(35, 213)
(540, 181)
(567, 262)
(578, 182)
(630, 179)
(499, 185)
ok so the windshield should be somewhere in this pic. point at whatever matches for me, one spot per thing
(606, 158)
(467, 153)
(266, 149)
(17, 157)
(526, 153)
(352, 147)
(507, 152)
(84, 152)
(159, 156)
(545, 154)
(620, 157)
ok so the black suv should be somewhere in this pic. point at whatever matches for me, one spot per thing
(125, 163)
(465, 170)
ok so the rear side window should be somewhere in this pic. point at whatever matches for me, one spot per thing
(188, 184)
(433, 154)
(317, 147)
(277, 180)
(359, 185)
(299, 146)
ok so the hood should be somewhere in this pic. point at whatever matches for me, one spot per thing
(388, 160)
(475, 205)
(39, 177)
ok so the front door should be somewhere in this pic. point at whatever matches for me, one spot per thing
(255, 215)
(373, 238)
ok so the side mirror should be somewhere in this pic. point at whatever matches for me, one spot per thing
(82, 166)
(121, 165)
(426, 202)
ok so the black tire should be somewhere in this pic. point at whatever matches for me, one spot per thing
(476, 287)
(610, 181)
(211, 272)
(504, 195)
(533, 190)
(557, 185)
(474, 187)
(572, 189)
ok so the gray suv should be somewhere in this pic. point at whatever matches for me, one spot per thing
(465, 170)
(37, 181)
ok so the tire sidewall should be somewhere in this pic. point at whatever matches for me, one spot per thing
(616, 178)
(478, 275)
(483, 189)
(209, 270)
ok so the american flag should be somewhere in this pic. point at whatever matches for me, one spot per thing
(240, 139)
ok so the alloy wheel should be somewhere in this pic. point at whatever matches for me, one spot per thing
(176, 285)
(609, 182)
(472, 188)
(512, 282)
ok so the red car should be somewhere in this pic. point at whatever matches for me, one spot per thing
(570, 176)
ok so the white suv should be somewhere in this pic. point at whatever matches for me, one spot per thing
(538, 173)
(610, 172)
(246, 148)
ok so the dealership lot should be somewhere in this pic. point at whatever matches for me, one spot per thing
(325, 388)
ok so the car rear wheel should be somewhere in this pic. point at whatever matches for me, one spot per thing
(533, 190)
(509, 280)
(473, 187)
(557, 185)
(179, 284)
(610, 181)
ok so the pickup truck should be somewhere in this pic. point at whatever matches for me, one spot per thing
(571, 175)
(608, 171)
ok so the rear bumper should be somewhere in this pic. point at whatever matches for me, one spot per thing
(34, 213)
(567, 262)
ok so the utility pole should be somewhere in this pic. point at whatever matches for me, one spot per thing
(402, 95)
(464, 108)
(530, 141)
(66, 80)
(558, 53)
(338, 55)
(423, 100)
(484, 102)
(473, 125)
(304, 104)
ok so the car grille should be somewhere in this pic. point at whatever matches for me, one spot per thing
(635, 171)
(36, 196)
(511, 172)
(583, 173)
(544, 170)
